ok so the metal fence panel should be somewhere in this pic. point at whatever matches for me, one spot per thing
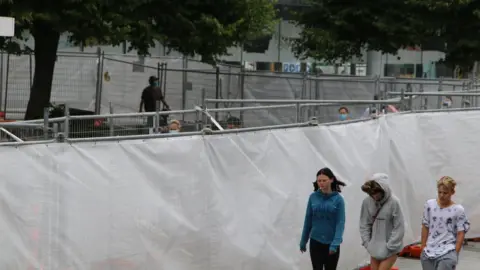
(74, 82)
(429, 85)
(272, 86)
(188, 82)
(342, 88)
(123, 81)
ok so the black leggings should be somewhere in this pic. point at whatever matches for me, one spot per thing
(320, 256)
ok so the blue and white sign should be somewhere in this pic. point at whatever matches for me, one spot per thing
(295, 67)
(291, 67)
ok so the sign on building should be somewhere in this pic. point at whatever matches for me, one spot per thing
(7, 27)
(295, 67)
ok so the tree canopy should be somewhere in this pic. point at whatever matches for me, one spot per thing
(336, 30)
(206, 28)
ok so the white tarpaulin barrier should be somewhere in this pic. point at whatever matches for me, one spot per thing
(219, 202)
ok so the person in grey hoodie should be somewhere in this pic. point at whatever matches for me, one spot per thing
(382, 226)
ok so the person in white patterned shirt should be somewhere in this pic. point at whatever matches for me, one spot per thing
(444, 225)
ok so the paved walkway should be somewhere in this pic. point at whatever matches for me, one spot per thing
(469, 260)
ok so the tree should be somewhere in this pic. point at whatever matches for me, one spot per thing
(334, 31)
(206, 28)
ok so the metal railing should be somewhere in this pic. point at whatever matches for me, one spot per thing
(98, 81)
(59, 129)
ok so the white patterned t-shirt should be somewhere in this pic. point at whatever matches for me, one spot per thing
(443, 225)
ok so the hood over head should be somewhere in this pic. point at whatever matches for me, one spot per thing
(382, 180)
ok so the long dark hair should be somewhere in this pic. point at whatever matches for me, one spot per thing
(335, 184)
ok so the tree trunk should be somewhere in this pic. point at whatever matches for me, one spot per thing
(46, 46)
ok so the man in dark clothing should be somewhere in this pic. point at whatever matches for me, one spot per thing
(150, 95)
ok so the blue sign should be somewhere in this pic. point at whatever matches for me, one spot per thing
(291, 67)
(295, 67)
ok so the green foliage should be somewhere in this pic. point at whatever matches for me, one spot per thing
(338, 31)
(191, 27)
(199, 27)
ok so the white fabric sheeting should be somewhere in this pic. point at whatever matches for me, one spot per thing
(220, 202)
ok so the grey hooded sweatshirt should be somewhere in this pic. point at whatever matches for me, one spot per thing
(382, 237)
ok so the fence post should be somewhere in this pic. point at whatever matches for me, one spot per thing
(204, 107)
(316, 109)
(229, 81)
(184, 83)
(402, 99)
(217, 88)
(473, 82)
(164, 79)
(242, 91)
(410, 100)
(46, 112)
(377, 92)
(55, 131)
(1, 79)
(156, 117)
(110, 120)
(160, 78)
(297, 113)
(6, 85)
(440, 89)
(98, 90)
(303, 95)
(30, 63)
(66, 128)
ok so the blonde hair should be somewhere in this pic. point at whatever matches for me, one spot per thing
(448, 182)
(175, 121)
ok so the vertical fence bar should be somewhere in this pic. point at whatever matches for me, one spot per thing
(317, 97)
(30, 63)
(402, 99)
(410, 100)
(377, 92)
(297, 113)
(473, 82)
(229, 81)
(46, 127)
(160, 83)
(1, 80)
(204, 107)
(440, 89)
(6, 85)
(156, 117)
(242, 91)
(110, 121)
(184, 83)
(217, 88)
(303, 94)
(66, 128)
(164, 79)
(55, 131)
(98, 90)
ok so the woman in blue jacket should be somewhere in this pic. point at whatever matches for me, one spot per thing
(324, 221)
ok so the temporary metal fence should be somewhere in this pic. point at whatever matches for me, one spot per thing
(75, 128)
(99, 82)
(147, 125)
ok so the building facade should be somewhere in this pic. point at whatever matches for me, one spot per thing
(274, 54)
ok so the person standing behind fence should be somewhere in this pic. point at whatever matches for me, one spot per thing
(344, 114)
(233, 123)
(150, 95)
(324, 221)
